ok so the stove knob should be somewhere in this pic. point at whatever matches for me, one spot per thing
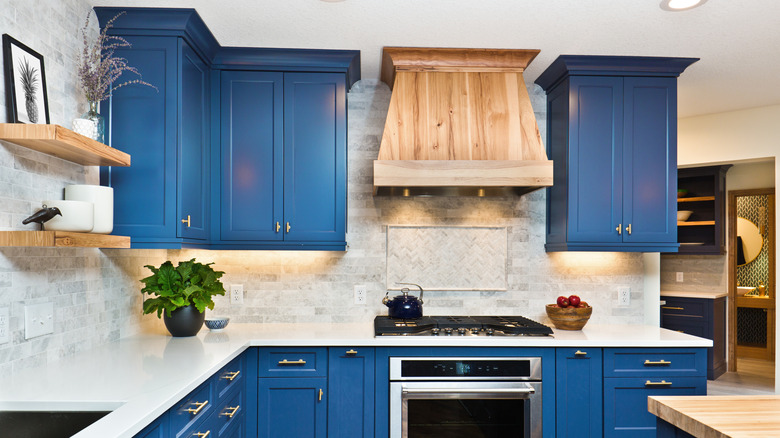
(448, 331)
(461, 331)
(435, 331)
(489, 332)
(475, 331)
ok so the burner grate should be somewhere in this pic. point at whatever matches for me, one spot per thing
(501, 325)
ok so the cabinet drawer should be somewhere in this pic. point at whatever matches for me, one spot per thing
(230, 411)
(195, 406)
(684, 306)
(293, 362)
(683, 324)
(229, 377)
(625, 402)
(652, 362)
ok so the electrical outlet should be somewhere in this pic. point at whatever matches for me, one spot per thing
(624, 296)
(38, 320)
(236, 294)
(360, 294)
(679, 277)
(5, 334)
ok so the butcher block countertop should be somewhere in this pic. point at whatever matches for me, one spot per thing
(732, 416)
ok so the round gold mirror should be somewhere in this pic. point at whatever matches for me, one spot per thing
(749, 241)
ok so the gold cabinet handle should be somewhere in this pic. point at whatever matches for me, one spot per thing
(278, 227)
(200, 406)
(628, 229)
(186, 221)
(292, 362)
(232, 411)
(658, 362)
(619, 229)
(580, 353)
(230, 376)
(202, 434)
(288, 227)
(672, 308)
(661, 383)
(351, 352)
(320, 397)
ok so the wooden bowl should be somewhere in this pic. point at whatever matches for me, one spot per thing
(568, 318)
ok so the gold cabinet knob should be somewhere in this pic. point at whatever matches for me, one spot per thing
(199, 407)
(320, 397)
(231, 375)
(288, 227)
(186, 221)
(619, 229)
(230, 411)
(278, 227)
(351, 352)
(628, 229)
(580, 353)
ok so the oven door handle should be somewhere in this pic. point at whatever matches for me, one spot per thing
(520, 393)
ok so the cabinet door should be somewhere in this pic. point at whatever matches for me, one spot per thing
(578, 392)
(351, 392)
(650, 162)
(595, 157)
(193, 162)
(292, 407)
(315, 166)
(142, 124)
(251, 149)
(625, 402)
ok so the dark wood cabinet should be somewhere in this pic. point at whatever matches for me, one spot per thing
(704, 231)
(702, 317)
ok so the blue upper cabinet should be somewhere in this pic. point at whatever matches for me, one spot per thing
(612, 131)
(283, 164)
(239, 148)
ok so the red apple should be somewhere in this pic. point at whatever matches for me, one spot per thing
(583, 304)
(574, 301)
(563, 301)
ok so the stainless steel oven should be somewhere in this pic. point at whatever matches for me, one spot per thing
(474, 397)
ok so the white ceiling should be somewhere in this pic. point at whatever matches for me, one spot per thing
(737, 40)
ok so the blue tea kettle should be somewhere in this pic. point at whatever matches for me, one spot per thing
(404, 306)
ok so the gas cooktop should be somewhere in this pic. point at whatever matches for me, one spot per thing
(460, 326)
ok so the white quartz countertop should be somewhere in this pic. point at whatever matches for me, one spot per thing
(141, 377)
(694, 294)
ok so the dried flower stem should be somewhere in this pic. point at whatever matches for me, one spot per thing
(99, 68)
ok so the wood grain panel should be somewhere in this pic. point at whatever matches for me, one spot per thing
(477, 173)
(62, 239)
(720, 416)
(63, 143)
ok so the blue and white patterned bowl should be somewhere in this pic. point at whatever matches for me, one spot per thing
(215, 323)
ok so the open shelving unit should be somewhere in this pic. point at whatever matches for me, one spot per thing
(704, 231)
(68, 145)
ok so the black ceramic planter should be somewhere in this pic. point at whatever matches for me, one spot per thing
(184, 321)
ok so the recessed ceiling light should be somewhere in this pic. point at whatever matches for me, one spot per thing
(681, 5)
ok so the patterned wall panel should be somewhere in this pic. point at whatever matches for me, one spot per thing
(757, 271)
(447, 258)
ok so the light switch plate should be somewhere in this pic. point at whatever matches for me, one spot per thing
(38, 320)
(5, 334)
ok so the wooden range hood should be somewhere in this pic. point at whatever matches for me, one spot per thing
(460, 122)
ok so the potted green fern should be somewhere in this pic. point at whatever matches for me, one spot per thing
(181, 295)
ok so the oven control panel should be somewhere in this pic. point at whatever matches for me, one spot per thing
(451, 368)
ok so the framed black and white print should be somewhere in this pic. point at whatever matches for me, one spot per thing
(25, 83)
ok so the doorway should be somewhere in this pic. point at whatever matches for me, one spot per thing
(751, 264)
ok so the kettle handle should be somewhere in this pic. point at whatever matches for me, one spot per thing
(419, 287)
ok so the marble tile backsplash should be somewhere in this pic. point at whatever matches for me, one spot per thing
(96, 293)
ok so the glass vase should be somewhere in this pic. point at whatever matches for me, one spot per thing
(91, 124)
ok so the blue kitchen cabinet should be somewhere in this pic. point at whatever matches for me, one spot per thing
(633, 374)
(292, 407)
(283, 167)
(702, 317)
(351, 392)
(161, 201)
(612, 135)
(578, 395)
(158, 429)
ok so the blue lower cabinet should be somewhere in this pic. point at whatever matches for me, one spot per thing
(292, 407)
(578, 395)
(158, 429)
(351, 392)
(625, 402)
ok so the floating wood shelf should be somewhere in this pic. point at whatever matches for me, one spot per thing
(694, 223)
(696, 199)
(63, 143)
(62, 239)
